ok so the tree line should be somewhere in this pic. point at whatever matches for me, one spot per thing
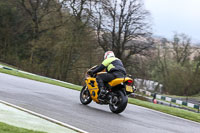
(62, 39)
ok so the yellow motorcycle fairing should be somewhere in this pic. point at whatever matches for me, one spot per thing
(93, 88)
(118, 81)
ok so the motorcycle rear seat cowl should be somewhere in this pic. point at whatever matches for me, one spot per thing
(118, 81)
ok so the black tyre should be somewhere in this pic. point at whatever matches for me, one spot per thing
(119, 102)
(85, 97)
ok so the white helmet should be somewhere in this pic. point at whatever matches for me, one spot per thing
(108, 54)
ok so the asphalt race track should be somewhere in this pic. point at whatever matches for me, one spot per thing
(63, 104)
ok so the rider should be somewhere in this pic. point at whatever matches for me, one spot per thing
(114, 69)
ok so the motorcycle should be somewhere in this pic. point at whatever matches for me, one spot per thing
(116, 96)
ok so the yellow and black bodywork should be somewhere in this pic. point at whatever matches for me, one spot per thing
(116, 95)
(93, 87)
(118, 81)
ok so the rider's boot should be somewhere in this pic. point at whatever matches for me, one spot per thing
(102, 92)
(102, 89)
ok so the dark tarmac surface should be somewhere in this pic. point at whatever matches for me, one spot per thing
(63, 104)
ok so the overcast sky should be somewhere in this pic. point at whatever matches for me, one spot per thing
(169, 16)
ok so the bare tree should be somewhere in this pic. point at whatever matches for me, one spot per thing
(37, 10)
(121, 26)
(81, 10)
(181, 48)
(80, 13)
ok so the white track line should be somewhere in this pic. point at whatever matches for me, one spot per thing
(44, 117)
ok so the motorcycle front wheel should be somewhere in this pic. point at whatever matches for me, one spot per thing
(85, 97)
(119, 102)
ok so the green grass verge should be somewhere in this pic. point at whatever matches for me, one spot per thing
(169, 110)
(6, 65)
(37, 78)
(5, 128)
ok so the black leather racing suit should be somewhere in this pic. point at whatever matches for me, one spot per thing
(114, 68)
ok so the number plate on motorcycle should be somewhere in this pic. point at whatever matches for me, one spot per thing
(129, 88)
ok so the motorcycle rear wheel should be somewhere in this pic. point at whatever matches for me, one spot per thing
(121, 103)
(85, 97)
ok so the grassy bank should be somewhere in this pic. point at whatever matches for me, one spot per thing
(5, 128)
(41, 79)
(169, 110)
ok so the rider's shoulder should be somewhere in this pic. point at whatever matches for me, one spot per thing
(107, 61)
